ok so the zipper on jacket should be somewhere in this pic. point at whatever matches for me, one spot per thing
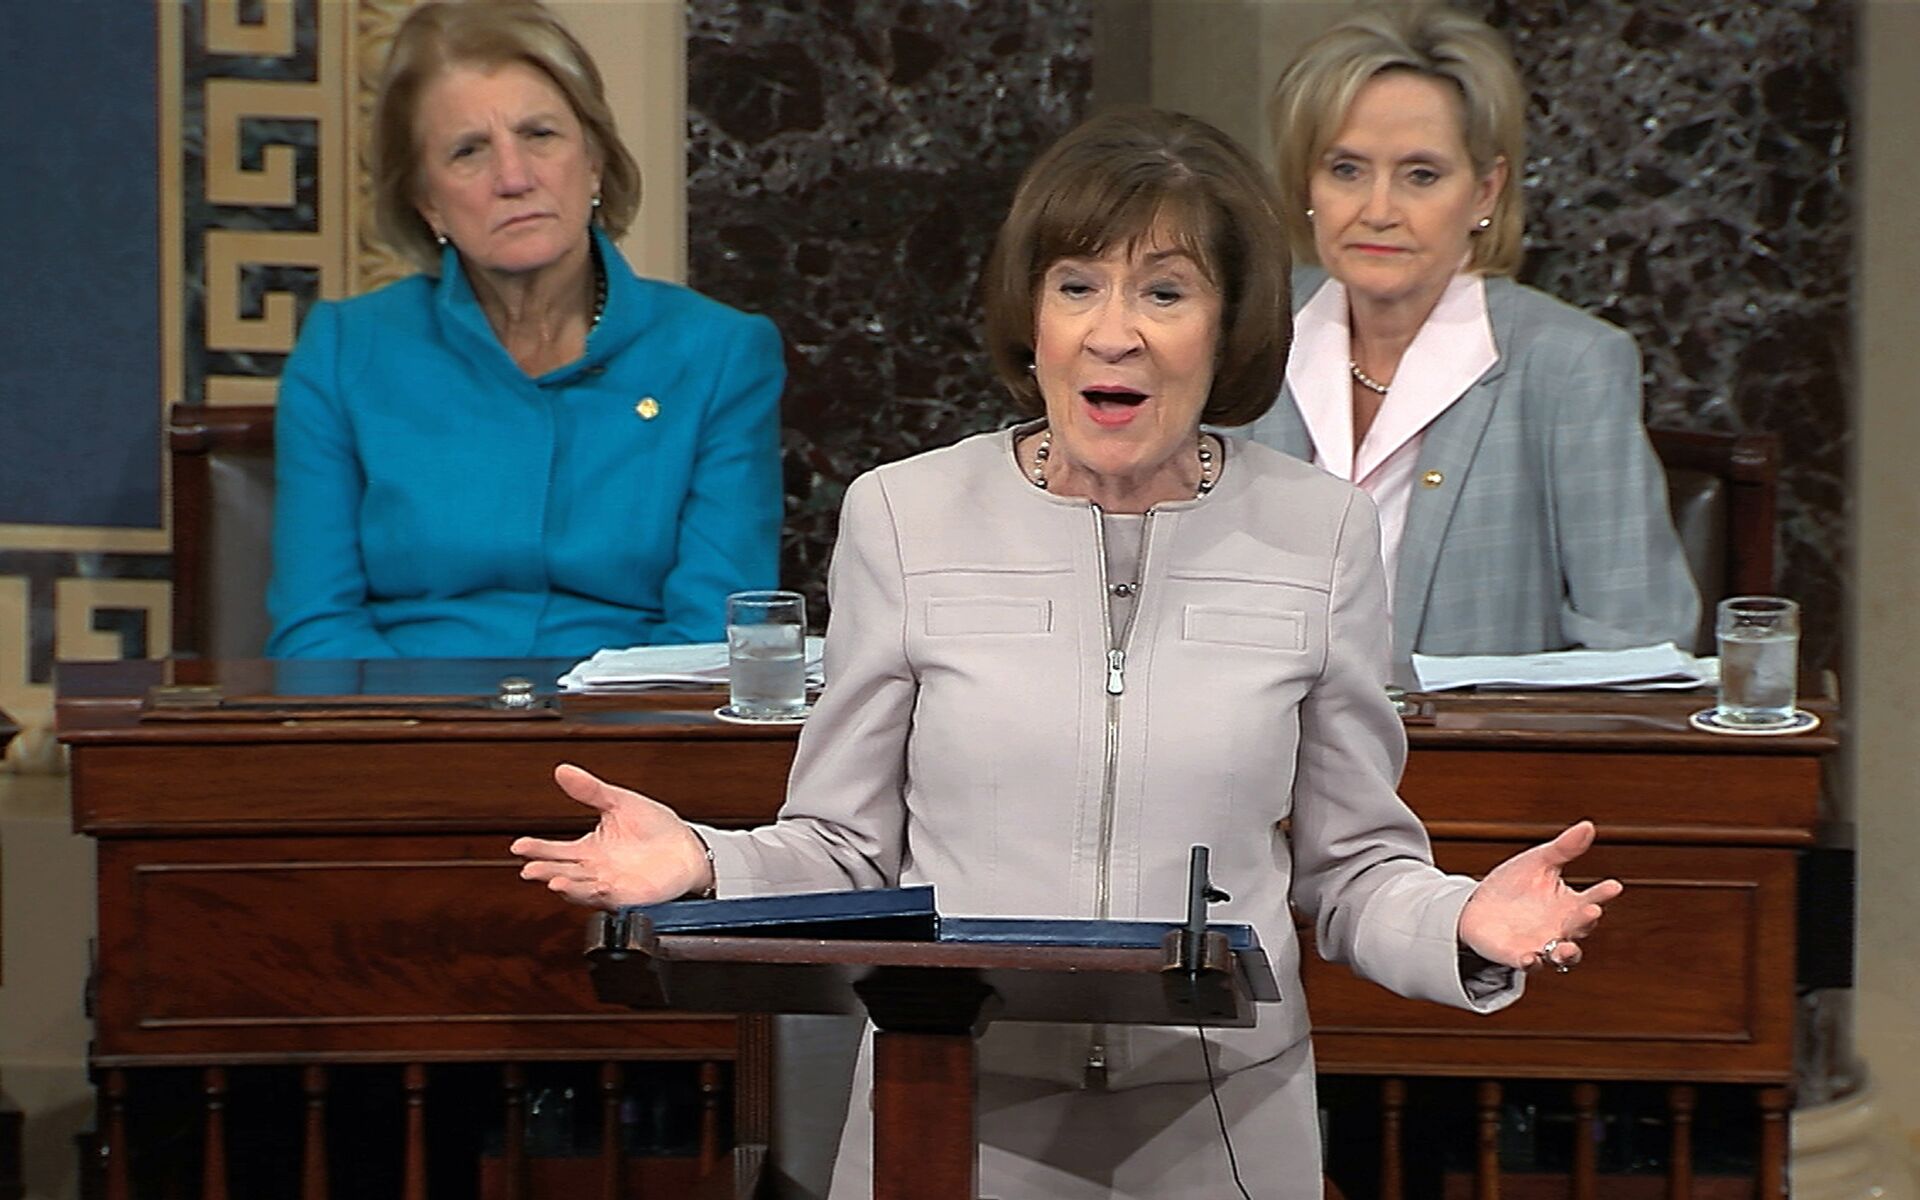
(1096, 1070)
(1116, 687)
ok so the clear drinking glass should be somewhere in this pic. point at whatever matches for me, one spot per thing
(1759, 638)
(767, 654)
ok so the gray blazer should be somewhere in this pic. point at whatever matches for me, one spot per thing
(977, 734)
(1549, 527)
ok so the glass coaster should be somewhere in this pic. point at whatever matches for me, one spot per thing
(1708, 720)
(726, 713)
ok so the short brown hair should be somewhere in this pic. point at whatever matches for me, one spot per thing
(485, 33)
(1115, 179)
(1311, 100)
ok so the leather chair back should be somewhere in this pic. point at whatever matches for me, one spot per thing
(1722, 492)
(1721, 489)
(222, 512)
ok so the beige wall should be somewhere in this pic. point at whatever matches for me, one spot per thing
(1217, 59)
(1886, 597)
(641, 48)
(46, 902)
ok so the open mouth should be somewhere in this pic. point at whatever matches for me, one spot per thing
(1113, 406)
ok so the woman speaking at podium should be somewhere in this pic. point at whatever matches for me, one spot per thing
(1063, 653)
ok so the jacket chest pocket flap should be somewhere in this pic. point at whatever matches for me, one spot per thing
(958, 616)
(1259, 629)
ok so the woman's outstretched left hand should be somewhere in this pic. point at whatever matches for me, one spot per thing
(1524, 915)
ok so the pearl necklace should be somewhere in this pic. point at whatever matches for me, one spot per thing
(1365, 380)
(1045, 448)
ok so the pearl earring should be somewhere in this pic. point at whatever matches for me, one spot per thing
(1309, 214)
(1486, 222)
(596, 200)
(439, 237)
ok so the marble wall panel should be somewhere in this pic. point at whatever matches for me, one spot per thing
(848, 163)
(1690, 178)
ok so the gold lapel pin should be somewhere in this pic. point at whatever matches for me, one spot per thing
(648, 408)
(1432, 479)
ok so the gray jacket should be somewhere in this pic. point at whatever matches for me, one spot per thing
(969, 737)
(1550, 527)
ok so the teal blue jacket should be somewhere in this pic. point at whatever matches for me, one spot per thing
(434, 501)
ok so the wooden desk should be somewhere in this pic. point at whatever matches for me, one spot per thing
(324, 890)
(265, 887)
(1691, 976)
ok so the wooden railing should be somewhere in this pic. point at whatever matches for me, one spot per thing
(289, 1128)
(1392, 1138)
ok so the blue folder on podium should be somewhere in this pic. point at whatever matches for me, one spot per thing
(908, 914)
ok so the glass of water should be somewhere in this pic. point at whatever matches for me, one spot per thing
(1759, 638)
(767, 655)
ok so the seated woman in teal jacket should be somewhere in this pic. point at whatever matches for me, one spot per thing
(527, 450)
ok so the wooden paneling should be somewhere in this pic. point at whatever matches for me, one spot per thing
(332, 781)
(1664, 797)
(1683, 980)
(243, 948)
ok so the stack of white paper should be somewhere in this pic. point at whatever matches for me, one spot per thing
(700, 664)
(1637, 668)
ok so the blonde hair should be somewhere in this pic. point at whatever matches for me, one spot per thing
(485, 33)
(1122, 176)
(1310, 104)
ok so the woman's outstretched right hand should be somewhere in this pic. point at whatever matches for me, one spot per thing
(641, 852)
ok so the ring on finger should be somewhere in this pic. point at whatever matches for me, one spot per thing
(1546, 956)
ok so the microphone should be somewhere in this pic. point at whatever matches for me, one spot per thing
(1200, 892)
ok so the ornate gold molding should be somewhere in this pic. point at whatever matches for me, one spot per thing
(374, 25)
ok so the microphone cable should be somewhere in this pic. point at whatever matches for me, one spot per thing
(1213, 1090)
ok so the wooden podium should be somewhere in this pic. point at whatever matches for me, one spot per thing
(929, 1000)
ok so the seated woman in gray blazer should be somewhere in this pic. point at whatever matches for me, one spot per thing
(1065, 652)
(1497, 429)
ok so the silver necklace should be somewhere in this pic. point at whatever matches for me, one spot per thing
(1365, 380)
(1045, 448)
(599, 292)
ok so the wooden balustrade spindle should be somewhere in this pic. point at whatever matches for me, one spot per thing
(1393, 1108)
(1486, 1171)
(313, 1153)
(1774, 1102)
(119, 1182)
(513, 1123)
(1680, 1105)
(1586, 1140)
(413, 1081)
(612, 1153)
(710, 1096)
(213, 1162)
